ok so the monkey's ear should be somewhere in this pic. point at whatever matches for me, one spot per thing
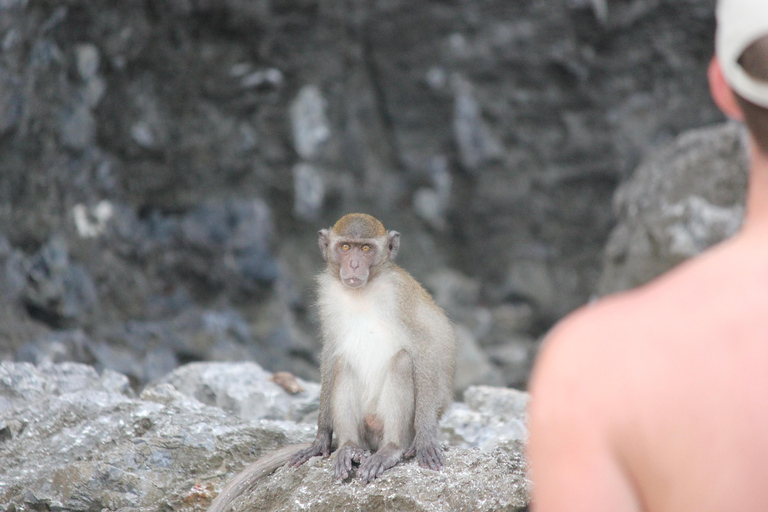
(323, 240)
(393, 243)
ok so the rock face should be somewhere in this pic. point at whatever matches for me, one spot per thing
(684, 198)
(170, 160)
(74, 440)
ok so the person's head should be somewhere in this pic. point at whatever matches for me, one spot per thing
(739, 73)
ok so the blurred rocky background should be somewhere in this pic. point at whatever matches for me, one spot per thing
(165, 166)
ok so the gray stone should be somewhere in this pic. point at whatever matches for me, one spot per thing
(309, 122)
(74, 440)
(489, 418)
(476, 143)
(148, 350)
(11, 101)
(433, 204)
(56, 347)
(514, 356)
(470, 480)
(263, 77)
(451, 289)
(247, 391)
(241, 230)
(684, 198)
(472, 364)
(308, 192)
(24, 383)
(531, 280)
(87, 60)
(12, 272)
(58, 290)
(512, 318)
(78, 127)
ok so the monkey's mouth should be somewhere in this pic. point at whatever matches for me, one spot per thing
(353, 282)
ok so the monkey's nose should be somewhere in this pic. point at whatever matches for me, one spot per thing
(354, 264)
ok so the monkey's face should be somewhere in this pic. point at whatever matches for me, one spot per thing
(355, 261)
(357, 248)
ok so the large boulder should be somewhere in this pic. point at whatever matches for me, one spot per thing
(683, 198)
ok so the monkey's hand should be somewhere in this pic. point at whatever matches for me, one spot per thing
(428, 453)
(321, 446)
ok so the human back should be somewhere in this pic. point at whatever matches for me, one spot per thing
(657, 399)
(686, 400)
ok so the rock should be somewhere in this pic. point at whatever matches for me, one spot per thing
(308, 192)
(489, 418)
(23, 383)
(490, 134)
(682, 199)
(148, 350)
(472, 364)
(87, 61)
(531, 280)
(511, 319)
(309, 122)
(78, 128)
(11, 101)
(92, 222)
(514, 356)
(58, 291)
(451, 289)
(469, 480)
(56, 347)
(247, 391)
(237, 232)
(80, 443)
(477, 145)
(74, 440)
(12, 272)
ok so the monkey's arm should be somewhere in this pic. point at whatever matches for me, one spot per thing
(322, 442)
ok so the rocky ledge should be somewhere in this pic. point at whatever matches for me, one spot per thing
(74, 440)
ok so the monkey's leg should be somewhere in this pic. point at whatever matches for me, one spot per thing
(395, 411)
(425, 446)
(348, 422)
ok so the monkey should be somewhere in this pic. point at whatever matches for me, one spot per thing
(386, 366)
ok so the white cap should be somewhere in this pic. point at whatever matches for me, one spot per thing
(739, 24)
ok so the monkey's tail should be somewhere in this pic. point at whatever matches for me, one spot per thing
(247, 479)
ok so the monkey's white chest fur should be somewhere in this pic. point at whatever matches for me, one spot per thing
(367, 335)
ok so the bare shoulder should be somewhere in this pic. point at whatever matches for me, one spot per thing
(578, 349)
(605, 348)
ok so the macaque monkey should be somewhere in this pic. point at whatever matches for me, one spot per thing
(386, 365)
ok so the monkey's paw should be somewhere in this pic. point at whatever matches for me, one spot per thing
(379, 462)
(345, 456)
(429, 454)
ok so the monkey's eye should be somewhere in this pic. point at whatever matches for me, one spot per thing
(366, 247)
(345, 247)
